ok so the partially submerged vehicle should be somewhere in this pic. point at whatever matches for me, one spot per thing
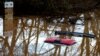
(63, 41)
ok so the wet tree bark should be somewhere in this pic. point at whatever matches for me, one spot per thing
(37, 37)
(85, 39)
(8, 27)
(95, 26)
(13, 42)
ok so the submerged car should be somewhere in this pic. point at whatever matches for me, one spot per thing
(63, 41)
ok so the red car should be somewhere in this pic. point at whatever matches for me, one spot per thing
(58, 41)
